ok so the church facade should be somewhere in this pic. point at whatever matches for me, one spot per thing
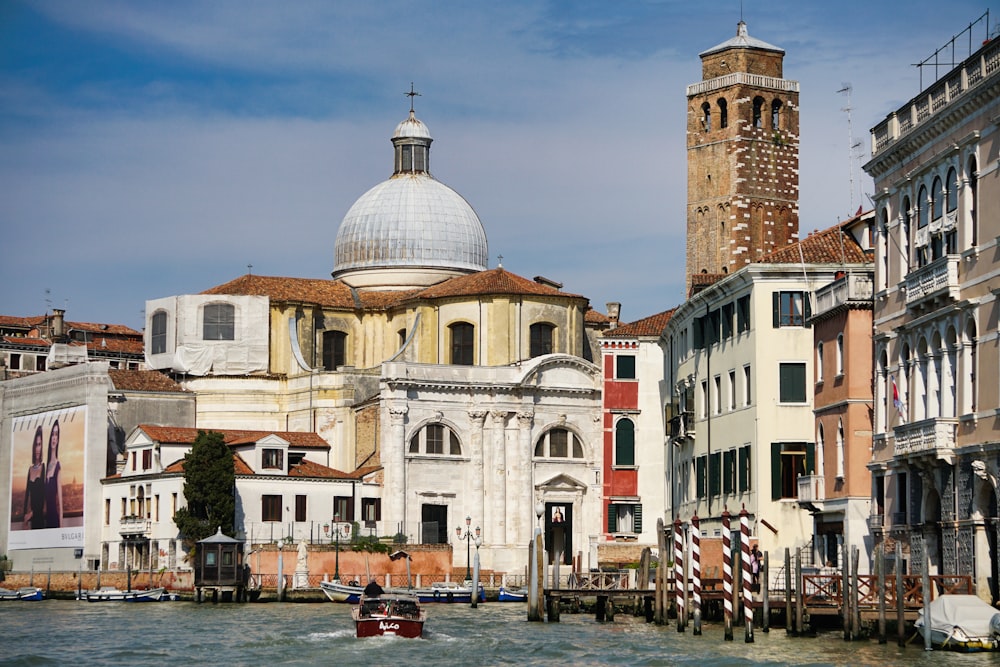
(472, 388)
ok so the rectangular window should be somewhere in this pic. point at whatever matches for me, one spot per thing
(624, 518)
(698, 331)
(714, 324)
(701, 476)
(792, 381)
(729, 471)
(789, 461)
(462, 343)
(540, 335)
(300, 508)
(704, 399)
(158, 335)
(107, 511)
(334, 350)
(273, 459)
(732, 390)
(371, 511)
(744, 468)
(715, 474)
(727, 321)
(156, 507)
(435, 439)
(791, 309)
(147, 459)
(270, 508)
(625, 367)
(717, 394)
(173, 504)
(219, 321)
(743, 314)
(746, 385)
(343, 508)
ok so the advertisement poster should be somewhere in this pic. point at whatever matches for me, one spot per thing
(47, 479)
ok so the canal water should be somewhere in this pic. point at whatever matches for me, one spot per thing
(64, 632)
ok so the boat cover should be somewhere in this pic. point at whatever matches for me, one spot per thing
(968, 613)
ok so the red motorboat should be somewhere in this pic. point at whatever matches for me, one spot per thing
(389, 614)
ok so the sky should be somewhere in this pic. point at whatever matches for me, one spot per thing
(150, 149)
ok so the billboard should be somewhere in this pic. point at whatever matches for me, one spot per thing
(47, 479)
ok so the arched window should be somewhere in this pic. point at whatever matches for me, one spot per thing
(820, 450)
(923, 203)
(840, 449)
(334, 349)
(723, 113)
(937, 197)
(904, 234)
(883, 249)
(158, 333)
(819, 361)
(951, 191)
(840, 354)
(219, 321)
(706, 117)
(625, 443)
(973, 177)
(559, 443)
(435, 440)
(758, 107)
(776, 114)
(541, 339)
(462, 343)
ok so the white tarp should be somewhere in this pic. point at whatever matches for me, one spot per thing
(968, 613)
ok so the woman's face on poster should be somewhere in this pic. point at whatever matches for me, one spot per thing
(37, 447)
(54, 441)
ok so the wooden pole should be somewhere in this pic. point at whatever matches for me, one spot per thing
(659, 608)
(765, 621)
(789, 625)
(727, 577)
(900, 618)
(747, 576)
(799, 597)
(880, 569)
(679, 575)
(926, 594)
(534, 579)
(696, 573)
(855, 594)
(845, 597)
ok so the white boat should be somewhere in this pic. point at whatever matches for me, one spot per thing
(337, 591)
(389, 614)
(27, 593)
(962, 623)
(449, 591)
(112, 594)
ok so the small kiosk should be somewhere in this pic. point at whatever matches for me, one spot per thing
(219, 569)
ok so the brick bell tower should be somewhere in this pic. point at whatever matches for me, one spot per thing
(743, 159)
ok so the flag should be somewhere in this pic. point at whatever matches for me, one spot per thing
(895, 397)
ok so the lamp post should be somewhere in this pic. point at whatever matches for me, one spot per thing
(467, 536)
(336, 562)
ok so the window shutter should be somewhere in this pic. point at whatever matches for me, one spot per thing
(776, 309)
(810, 458)
(612, 518)
(775, 471)
(715, 474)
(637, 518)
(807, 308)
(700, 477)
(698, 334)
(744, 468)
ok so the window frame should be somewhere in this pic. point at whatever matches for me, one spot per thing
(624, 447)
(463, 344)
(541, 337)
(158, 332)
(625, 367)
(218, 319)
(334, 349)
(792, 372)
(270, 508)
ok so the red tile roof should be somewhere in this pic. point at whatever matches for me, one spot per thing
(324, 292)
(185, 436)
(648, 326)
(307, 468)
(827, 246)
(493, 281)
(594, 317)
(142, 381)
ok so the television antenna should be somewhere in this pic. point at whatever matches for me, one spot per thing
(853, 146)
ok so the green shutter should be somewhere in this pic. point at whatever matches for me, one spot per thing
(637, 518)
(776, 309)
(775, 471)
(807, 308)
(700, 477)
(698, 334)
(810, 458)
(715, 474)
(744, 468)
(612, 518)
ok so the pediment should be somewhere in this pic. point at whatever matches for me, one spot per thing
(562, 483)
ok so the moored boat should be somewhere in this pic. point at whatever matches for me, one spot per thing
(389, 614)
(27, 593)
(111, 594)
(449, 591)
(337, 591)
(962, 623)
(512, 594)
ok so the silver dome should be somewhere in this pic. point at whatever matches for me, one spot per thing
(408, 222)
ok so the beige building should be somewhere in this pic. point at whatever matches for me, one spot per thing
(936, 459)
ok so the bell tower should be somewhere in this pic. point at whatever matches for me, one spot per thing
(743, 158)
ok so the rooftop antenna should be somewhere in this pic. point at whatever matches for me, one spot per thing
(853, 146)
(48, 300)
(411, 95)
(249, 269)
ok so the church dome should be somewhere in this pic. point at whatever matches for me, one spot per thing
(411, 230)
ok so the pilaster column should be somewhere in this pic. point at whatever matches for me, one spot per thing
(478, 471)
(523, 510)
(498, 475)
(394, 465)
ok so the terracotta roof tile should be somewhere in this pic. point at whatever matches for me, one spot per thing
(648, 326)
(594, 317)
(186, 435)
(107, 329)
(307, 468)
(494, 281)
(827, 246)
(142, 381)
(324, 292)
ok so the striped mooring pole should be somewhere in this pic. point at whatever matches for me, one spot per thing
(727, 576)
(679, 575)
(747, 576)
(696, 574)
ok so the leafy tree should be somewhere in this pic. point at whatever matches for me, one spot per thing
(209, 481)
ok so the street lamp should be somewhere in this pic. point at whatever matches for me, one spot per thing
(336, 566)
(467, 536)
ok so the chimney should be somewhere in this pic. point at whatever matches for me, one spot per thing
(58, 328)
(614, 308)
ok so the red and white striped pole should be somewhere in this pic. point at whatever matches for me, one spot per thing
(679, 574)
(696, 574)
(747, 576)
(727, 576)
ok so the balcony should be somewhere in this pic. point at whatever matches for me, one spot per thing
(938, 281)
(853, 289)
(134, 526)
(929, 436)
(875, 522)
(812, 488)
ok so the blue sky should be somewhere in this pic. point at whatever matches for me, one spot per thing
(156, 148)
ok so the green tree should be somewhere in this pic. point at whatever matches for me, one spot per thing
(209, 481)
